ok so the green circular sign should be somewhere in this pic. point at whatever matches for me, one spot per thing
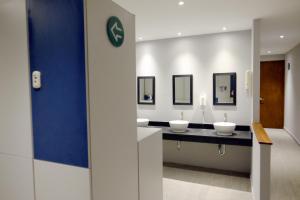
(115, 31)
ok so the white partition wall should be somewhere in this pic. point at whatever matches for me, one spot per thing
(16, 180)
(15, 123)
(150, 164)
(261, 175)
(16, 170)
(261, 153)
(61, 182)
(114, 159)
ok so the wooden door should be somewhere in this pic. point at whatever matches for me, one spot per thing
(272, 94)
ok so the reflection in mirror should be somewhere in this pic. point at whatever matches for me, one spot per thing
(146, 90)
(224, 89)
(183, 89)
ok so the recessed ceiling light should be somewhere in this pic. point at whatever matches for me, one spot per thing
(140, 38)
(282, 36)
(179, 34)
(224, 28)
(269, 52)
(181, 3)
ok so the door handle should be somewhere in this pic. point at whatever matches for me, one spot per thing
(262, 100)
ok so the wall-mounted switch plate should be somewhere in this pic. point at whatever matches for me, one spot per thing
(36, 80)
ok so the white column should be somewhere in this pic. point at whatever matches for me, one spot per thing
(16, 168)
(112, 103)
(261, 175)
(256, 70)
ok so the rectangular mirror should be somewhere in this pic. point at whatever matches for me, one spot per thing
(183, 89)
(146, 90)
(224, 88)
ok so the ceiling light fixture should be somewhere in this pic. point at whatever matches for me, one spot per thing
(181, 3)
(224, 28)
(282, 36)
(179, 34)
(140, 38)
(269, 52)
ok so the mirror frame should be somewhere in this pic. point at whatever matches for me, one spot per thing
(138, 89)
(191, 89)
(233, 87)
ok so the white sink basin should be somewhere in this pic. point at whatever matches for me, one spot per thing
(224, 128)
(179, 126)
(142, 122)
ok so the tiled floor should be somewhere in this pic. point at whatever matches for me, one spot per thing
(181, 184)
(285, 168)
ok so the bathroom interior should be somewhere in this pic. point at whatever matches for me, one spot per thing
(198, 91)
(109, 100)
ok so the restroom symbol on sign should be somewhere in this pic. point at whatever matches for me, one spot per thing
(115, 31)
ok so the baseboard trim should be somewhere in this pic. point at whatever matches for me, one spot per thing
(292, 135)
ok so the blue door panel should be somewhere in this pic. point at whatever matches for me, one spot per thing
(56, 40)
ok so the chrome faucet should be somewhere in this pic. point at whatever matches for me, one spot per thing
(225, 117)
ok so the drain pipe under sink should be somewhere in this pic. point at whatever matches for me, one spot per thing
(178, 145)
(222, 149)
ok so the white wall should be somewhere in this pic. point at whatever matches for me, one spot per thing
(16, 178)
(292, 93)
(113, 132)
(61, 182)
(261, 154)
(272, 57)
(255, 66)
(16, 167)
(15, 123)
(201, 56)
(150, 164)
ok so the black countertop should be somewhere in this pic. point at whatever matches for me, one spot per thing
(240, 138)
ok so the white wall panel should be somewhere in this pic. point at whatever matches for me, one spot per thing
(150, 164)
(61, 182)
(114, 159)
(260, 175)
(16, 178)
(16, 165)
(272, 57)
(15, 113)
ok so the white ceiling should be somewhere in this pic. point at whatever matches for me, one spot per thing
(158, 19)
